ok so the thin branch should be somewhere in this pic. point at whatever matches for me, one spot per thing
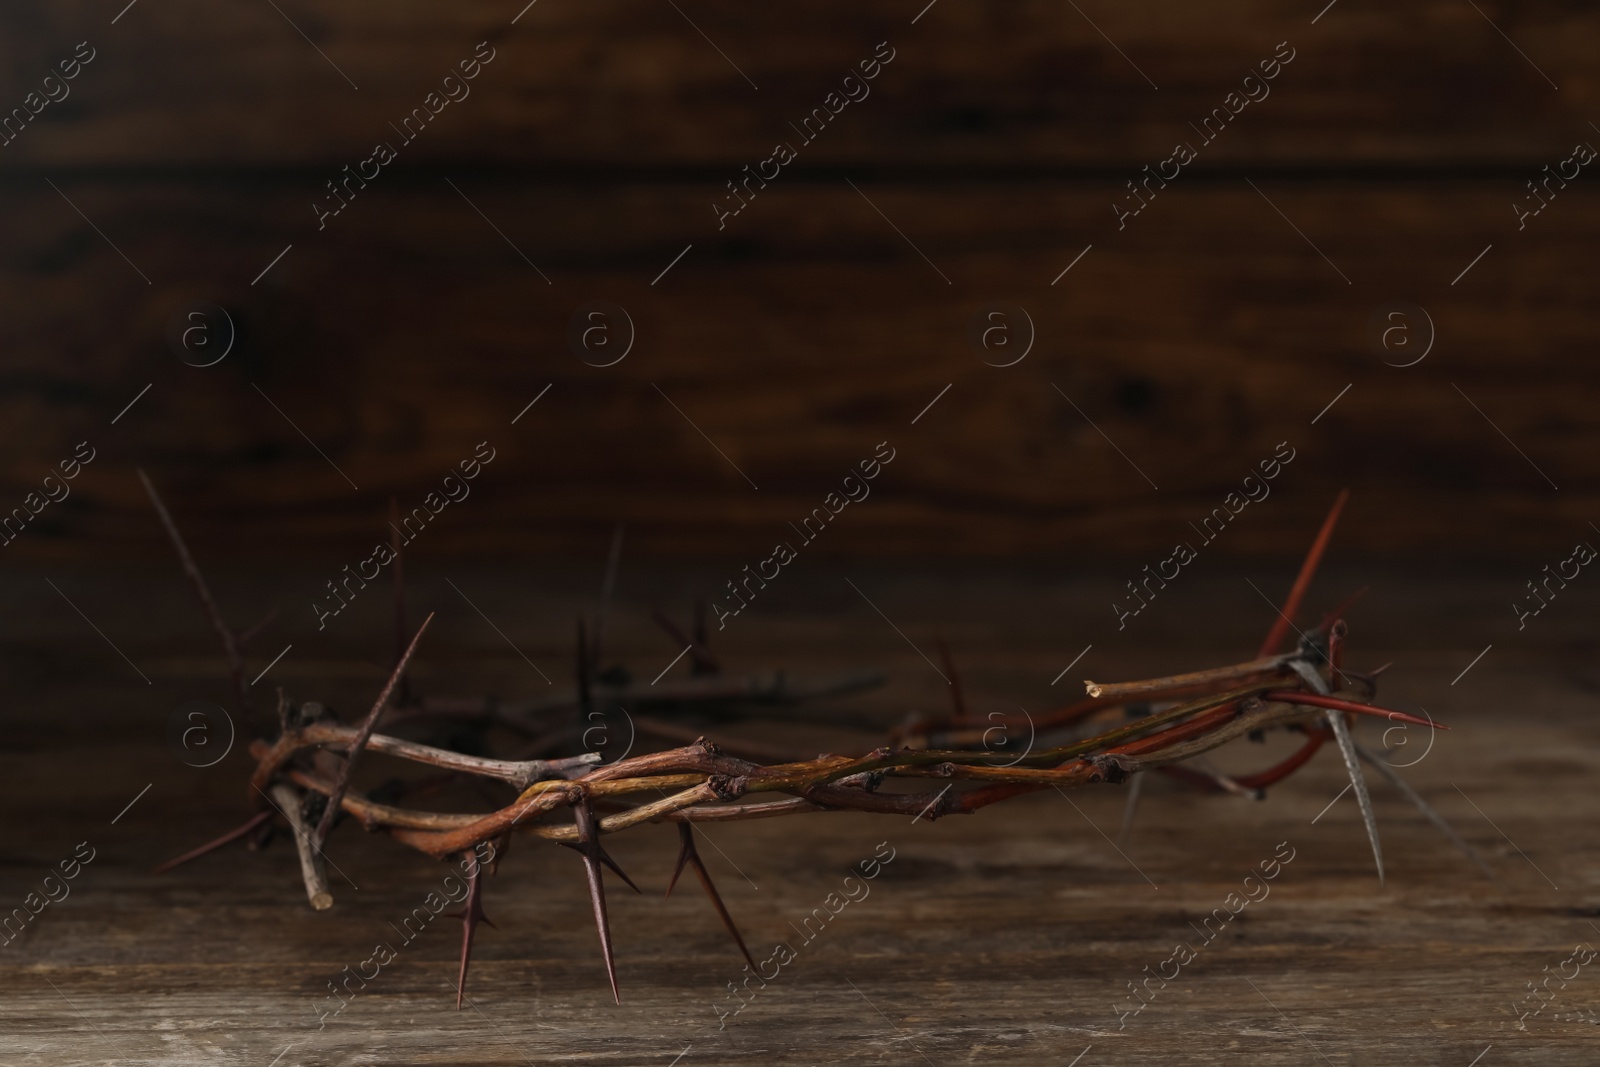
(211, 846)
(311, 866)
(230, 643)
(1152, 687)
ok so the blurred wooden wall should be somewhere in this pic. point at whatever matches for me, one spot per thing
(809, 329)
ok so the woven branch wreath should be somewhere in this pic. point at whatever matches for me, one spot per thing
(303, 776)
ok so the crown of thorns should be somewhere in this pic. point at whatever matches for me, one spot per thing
(302, 777)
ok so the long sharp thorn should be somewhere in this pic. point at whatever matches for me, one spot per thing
(689, 854)
(589, 838)
(343, 782)
(211, 846)
(1320, 700)
(1347, 746)
(1135, 787)
(1308, 569)
(230, 642)
(470, 914)
(1444, 827)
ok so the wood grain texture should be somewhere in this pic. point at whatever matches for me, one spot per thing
(630, 85)
(1196, 340)
(1005, 937)
(823, 318)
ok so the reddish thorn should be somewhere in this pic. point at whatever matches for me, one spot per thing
(687, 853)
(211, 846)
(589, 838)
(470, 915)
(1317, 700)
(1282, 624)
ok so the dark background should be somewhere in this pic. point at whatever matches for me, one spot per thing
(808, 330)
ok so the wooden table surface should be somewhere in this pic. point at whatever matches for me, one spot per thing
(1005, 937)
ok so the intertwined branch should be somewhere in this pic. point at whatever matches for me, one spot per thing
(304, 775)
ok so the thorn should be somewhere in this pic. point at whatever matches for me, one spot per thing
(687, 853)
(1308, 569)
(470, 915)
(605, 858)
(589, 839)
(211, 846)
(1347, 746)
(1322, 700)
(1388, 771)
(230, 642)
(342, 783)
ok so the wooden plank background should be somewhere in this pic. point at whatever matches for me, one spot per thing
(808, 330)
